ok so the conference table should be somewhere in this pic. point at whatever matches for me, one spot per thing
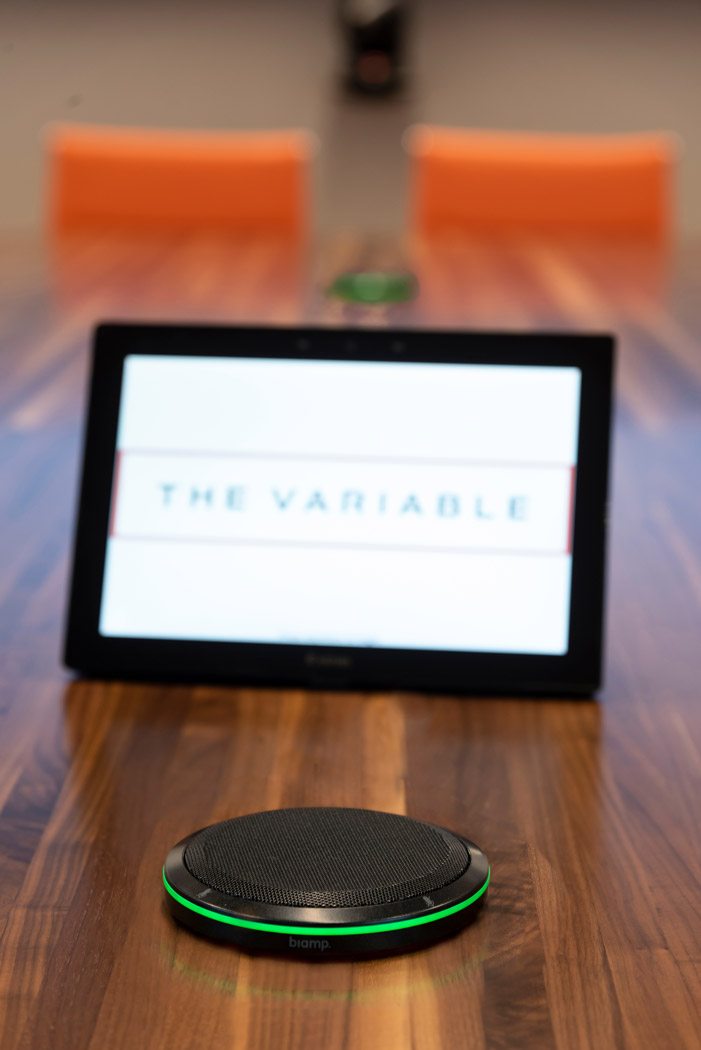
(589, 810)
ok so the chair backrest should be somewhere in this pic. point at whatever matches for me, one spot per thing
(155, 180)
(502, 182)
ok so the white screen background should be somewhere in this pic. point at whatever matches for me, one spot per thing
(343, 503)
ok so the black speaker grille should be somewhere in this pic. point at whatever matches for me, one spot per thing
(325, 857)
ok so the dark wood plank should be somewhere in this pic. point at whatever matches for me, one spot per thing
(589, 811)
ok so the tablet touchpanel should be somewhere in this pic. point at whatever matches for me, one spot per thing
(344, 507)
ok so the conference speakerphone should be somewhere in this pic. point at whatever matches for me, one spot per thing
(344, 508)
(325, 881)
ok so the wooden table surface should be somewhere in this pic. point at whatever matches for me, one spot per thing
(588, 811)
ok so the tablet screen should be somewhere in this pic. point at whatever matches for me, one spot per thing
(343, 503)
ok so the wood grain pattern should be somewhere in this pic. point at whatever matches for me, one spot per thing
(588, 811)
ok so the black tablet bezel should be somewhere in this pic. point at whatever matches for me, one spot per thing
(576, 672)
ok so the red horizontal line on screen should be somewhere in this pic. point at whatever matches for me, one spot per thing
(332, 458)
(325, 545)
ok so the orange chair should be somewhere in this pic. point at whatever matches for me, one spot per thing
(501, 182)
(156, 181)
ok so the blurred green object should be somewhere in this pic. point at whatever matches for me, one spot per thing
(374, 287)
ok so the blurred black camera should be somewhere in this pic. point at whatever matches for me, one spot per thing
(374, 40)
